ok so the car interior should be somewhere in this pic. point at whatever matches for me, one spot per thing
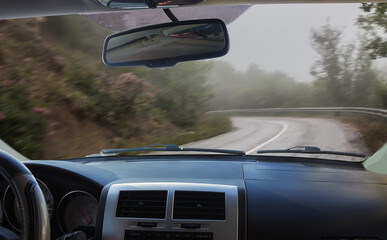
(201, 195)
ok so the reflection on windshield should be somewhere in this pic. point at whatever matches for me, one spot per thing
(58, 100)
(206, 31)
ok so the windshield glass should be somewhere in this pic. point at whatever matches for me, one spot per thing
(295, 75)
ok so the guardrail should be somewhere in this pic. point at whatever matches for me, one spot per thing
(317, 110)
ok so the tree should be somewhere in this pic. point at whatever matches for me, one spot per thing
(182, 91)
(364, 78)
(255, 88)
(375, 23)
(332, 66)
(344, 73)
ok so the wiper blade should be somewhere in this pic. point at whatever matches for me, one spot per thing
(164, 147)
(311, 150)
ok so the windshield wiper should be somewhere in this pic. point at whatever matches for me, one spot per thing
(163, 147)
(311, 150)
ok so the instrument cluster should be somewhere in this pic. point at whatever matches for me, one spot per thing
(75, 211)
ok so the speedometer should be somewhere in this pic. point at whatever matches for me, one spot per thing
(78, 212)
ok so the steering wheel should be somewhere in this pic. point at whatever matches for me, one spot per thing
(34, 222)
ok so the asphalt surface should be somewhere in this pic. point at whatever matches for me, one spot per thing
(261, 133)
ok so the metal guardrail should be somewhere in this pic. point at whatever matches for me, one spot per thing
(316, 110)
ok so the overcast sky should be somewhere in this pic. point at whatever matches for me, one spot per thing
(277, 37)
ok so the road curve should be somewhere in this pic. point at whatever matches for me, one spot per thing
(258, 133)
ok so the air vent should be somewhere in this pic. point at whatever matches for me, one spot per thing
(199, 205)
(142, 204)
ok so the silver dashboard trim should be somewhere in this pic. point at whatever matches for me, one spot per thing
(114, 227)
(61, 208)
(6, 213)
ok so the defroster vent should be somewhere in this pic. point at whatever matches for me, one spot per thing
(199, 205)
(142, 204)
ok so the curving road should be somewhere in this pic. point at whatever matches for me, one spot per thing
(258, 133)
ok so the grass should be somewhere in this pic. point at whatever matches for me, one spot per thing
(374, 131)
(166, 133)
(209, 126)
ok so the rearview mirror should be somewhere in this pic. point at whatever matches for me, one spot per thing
(130, 4)
(167, 44)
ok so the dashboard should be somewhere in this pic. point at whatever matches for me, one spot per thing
(208, 197)
(71, 198)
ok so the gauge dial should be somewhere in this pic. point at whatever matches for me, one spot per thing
(48, 197)
(12, 209)
(78, 212)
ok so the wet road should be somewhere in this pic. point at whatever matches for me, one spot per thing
(259, 133)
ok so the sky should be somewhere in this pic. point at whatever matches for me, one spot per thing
(277, 37)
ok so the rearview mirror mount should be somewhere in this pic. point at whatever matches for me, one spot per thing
(166, 44)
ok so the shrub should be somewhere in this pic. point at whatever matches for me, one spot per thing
(20, 127)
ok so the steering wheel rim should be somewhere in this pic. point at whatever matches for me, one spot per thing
(35, 222)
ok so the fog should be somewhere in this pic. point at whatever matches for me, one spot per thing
(277, 37)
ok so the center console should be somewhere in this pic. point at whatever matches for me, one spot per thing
(170, 210)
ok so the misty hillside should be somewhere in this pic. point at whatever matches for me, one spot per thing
(58, 100)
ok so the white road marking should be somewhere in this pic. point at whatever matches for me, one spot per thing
(284, 128)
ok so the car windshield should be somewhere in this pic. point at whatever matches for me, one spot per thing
(296, 75)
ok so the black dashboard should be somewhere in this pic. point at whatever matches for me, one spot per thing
(210, 197)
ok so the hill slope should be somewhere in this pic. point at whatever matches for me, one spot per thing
(57, 99)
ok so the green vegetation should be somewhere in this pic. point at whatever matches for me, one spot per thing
(58, 100)
(374, 22)
(374, 131)
(206, 128)
(22, 123)
(187, 83)
(344, 76)
(76, 32)
(52, 80)
(256, 88)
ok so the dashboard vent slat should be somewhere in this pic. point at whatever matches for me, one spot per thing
(142, 204)
(199, 205)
